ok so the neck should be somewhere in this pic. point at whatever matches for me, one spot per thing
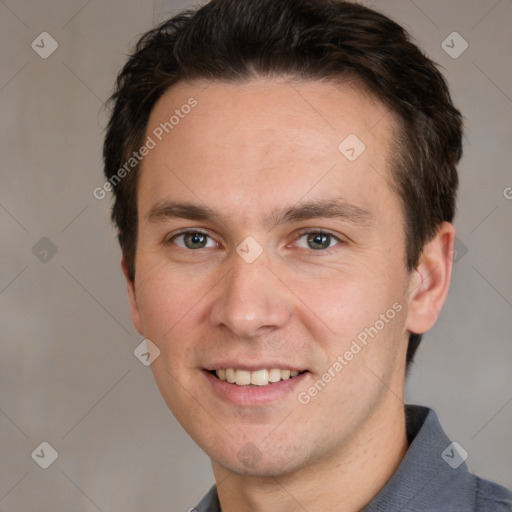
(351, 477)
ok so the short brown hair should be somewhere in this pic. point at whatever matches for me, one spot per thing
(236, 40)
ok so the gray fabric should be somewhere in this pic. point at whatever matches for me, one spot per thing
(210, 503)
(424, 481)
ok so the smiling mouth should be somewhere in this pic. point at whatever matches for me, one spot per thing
(254, 378)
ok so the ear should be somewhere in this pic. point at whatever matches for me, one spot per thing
(132, 298)
(430, 281)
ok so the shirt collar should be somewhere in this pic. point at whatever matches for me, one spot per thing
(431, 475)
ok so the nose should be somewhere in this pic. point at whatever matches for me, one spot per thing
(251, 299)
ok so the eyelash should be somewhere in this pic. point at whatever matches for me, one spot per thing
(298, 237)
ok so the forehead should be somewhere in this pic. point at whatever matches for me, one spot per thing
(246, 147)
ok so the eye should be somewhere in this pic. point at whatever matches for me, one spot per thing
(192, 240)
(317, 240)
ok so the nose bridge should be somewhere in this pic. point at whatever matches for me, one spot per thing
(252, 297)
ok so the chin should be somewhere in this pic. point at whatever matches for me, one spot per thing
(263, 469)
(250, 461)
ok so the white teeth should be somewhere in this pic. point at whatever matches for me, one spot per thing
(256, 378)
(243, 377)
(274, 375)
(230, 375)
(259, 378)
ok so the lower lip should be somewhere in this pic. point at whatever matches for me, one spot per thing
(253, 395)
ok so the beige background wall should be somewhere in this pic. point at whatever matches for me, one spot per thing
(68, 375)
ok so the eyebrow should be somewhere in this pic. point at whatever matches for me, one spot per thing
(333, 208)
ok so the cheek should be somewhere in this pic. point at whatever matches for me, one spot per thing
(340, 304)
(169, 312)
(368, 309)
(165, 303)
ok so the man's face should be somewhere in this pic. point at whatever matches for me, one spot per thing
(260, 282)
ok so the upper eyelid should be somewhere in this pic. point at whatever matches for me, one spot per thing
(186, 231)
(306, 231)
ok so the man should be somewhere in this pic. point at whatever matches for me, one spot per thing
(285, 176)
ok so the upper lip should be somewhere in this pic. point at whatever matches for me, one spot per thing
(251, 367)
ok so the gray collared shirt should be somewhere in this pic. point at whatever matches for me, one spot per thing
(432, 477)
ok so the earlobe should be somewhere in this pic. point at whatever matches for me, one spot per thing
(132, 299)
(430, 281)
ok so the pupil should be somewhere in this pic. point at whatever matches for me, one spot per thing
(197, 239)
(319, 239)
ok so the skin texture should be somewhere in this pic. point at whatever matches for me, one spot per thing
(245, 150)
